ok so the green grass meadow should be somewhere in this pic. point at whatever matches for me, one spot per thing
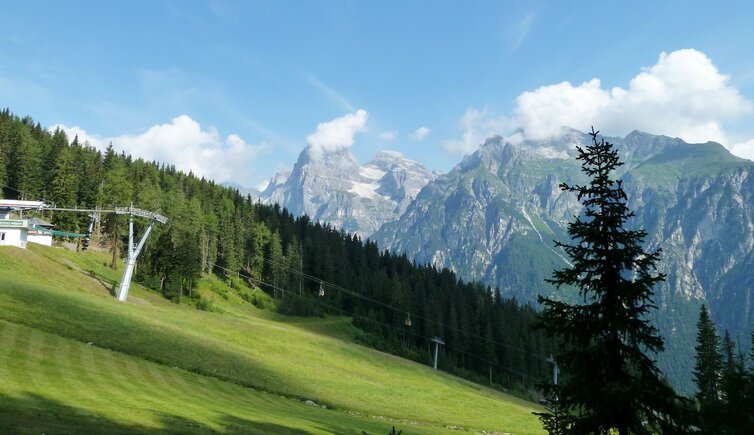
(75, 360)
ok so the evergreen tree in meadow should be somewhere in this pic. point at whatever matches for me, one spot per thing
(609, 382)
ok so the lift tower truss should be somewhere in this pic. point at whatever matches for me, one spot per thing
(135, 249)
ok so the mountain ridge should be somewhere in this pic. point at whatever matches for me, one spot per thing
(332, 186)
(495, 215)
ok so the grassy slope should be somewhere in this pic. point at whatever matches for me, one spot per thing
(54, 301)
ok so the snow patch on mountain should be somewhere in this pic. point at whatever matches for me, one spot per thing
(366, 190)
(371, 172)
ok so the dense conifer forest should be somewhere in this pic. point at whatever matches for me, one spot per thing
(310, 268)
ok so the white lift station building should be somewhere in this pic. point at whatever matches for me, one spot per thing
(14, 231)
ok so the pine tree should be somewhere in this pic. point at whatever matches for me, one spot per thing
(293, 261)
(708, 360)
(275, 273)
(116, 192)
(750, 384)
(3, 169)
(58, 143)
(64, 189)
(609, 382)
(26, 165)
(736, 417)
(707, 371)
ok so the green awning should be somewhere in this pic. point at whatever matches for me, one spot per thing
(57, 233)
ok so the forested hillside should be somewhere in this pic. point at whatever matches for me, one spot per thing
(310, 268)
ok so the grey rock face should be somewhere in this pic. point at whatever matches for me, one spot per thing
(332, 187)
(495, 215)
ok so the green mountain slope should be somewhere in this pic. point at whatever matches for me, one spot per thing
(214, 229)
(494, 218)
(75, 358)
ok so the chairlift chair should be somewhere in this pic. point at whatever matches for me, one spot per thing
(321, 290)
(408, 319)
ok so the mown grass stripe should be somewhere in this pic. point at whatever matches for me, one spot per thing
(86, 376)
(55, 350)
(19, 363)
(297, 358)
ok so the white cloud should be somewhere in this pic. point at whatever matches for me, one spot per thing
(389, 135)
(263, 185)
(338, 133)
(682, 95)
(420, 133)
(744, 149)
(542, 113)
(184, 143)
(477, 126)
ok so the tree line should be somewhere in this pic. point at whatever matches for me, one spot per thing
(398, 304)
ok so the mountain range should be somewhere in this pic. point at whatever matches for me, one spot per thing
(333, 187)
(495, 215)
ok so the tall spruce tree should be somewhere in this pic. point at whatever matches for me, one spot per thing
(707, 371)
(610, 384)
(735, 417)
(116, 191)
(64, 189)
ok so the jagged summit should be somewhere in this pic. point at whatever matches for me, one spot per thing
(332, 186)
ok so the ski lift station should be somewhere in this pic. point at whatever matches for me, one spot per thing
(16, 231)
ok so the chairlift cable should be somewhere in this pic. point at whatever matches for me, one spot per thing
(398, 310)
(347, 313)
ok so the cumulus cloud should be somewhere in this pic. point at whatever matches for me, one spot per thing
(389, 135)
(744, 149)
(682, 95)
(338, 133)
(477, 125)
(420, 133)
(185, 144)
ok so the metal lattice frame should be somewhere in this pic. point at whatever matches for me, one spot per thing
(135, 250)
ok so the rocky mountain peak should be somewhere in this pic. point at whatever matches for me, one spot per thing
(495, 216)
(332, 186)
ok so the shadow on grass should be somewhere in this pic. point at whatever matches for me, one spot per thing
(236, 425)
(70, 316)
(35, 414)
(108, 284)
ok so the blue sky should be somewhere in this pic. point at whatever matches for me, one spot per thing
(235, 89)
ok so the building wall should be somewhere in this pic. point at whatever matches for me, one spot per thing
(13, 237)
(40, 239)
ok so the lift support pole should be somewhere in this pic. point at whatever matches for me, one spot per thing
(133, 253)
(135, 250)
(437, 341)
(555, 371)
